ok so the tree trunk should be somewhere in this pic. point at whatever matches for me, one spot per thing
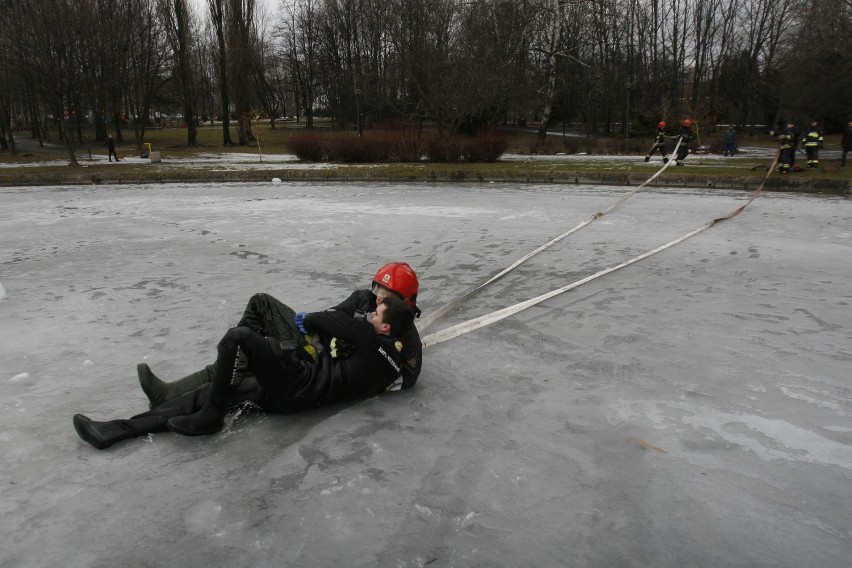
(67, 139)
(187, 81)
(7, 138)
(218, 16)
(555, 29)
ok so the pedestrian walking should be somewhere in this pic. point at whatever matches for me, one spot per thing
(730, 141)
(111, 148)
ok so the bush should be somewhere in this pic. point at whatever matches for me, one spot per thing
(405, 140)
(399, 144)
(309, 147)
(485, 147)
(372, 147)
(715, 142)
(443, 150)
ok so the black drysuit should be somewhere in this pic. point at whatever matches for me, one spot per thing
(270, 317)
(354, 362)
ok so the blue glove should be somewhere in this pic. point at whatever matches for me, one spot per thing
(300, 321)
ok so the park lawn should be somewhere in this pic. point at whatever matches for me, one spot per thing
(171, 143)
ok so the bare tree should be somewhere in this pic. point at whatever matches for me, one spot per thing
(177, 18)
(147, 62)
(300, 34)
(269, 72)
(50, 44)
(7, 139)
(555, 17)
(219, 22)
(816, 64)
(242, 59)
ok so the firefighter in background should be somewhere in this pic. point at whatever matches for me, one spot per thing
(685, 135)
(813, 141)
(793, 131)
(659, 143)
(786, 144)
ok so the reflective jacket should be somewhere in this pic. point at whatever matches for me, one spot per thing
(812, 137)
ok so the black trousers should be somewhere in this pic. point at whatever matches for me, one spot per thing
(812, 153)
(661, 146)
(248, 395)
(269, 317)
(269, 340)
(278, 370)
(785, 159)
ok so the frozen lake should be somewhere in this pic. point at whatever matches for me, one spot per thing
(692, 409)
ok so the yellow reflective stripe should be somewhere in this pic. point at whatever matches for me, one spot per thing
(309, 347)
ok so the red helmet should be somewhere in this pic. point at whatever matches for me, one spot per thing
(400, 278)
(661, 124)
(686, 122)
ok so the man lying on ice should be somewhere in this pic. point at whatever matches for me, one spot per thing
(358, 358)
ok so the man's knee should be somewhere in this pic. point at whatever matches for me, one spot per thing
(244, 337)
(234, 337)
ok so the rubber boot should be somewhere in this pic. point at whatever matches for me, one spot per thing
(159, 391)
(211, 418)
(102, 435)
(647, 158)
(665, 159)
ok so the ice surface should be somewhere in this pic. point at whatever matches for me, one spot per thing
(692, 409)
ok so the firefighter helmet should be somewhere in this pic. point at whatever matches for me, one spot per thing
(661, 124)
(398, 277)
(687, 122)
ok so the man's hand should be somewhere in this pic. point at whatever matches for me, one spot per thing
(300, 321)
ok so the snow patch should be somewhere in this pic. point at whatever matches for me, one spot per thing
(201, 517)
(20, 378)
